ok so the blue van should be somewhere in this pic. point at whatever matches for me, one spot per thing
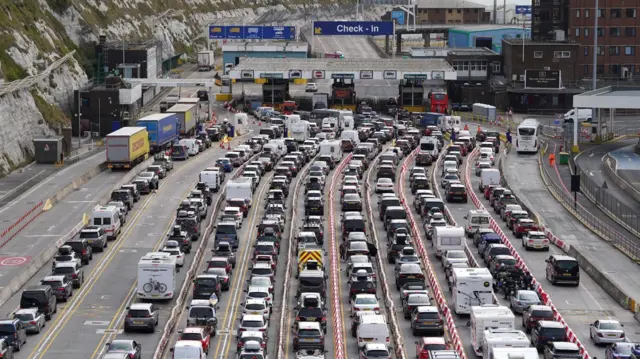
(227, 232)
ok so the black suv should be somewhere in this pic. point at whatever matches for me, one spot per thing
(386, 171)
(562, 268)
(41, 297)
(314, 206)
(14, 332)
(82, 248)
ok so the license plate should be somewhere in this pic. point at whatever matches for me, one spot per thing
(367, 309)
(612, 335)
(255, 313)
(411, 276)
(311, 319)
(368, 340)
(567, 274)
(307, 340)
(428, 323)
(138, 322)
(537, 246)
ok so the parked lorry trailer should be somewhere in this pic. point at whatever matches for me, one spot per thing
(162, 129)
(206, 60)
(320, 100)
(187, 119)
(127, 147)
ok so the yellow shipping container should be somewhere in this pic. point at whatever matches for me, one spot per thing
(138, 144)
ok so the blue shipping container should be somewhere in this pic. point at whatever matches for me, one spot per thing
(162, 128)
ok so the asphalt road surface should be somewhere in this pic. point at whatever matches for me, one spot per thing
(580, 306)
(93, 316)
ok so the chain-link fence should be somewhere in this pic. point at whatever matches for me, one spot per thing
(630, 246)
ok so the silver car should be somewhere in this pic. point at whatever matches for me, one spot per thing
(523, 299)
(32, 319)
(152, 177)
(141, 316)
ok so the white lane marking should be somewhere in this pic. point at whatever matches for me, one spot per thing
(112, 331)
(96, 322)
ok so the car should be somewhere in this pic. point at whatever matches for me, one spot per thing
(522, 299)
(62, 287)
(177, 253)
(14, 332)
(72, 271)
(164, 161)
(82, 248)
(311, 87)
(142, 185)
(447, 178)
(456, 192)
(535, 240)
(508, 209)
(32, 319)
(413, 301)
(413, 288)
(66, 254)
(426, 318)
(365, 302)
(426, 344)
(131, 347)
(453, 256)
(606, 331)
(481, 165)
(352, 202)
(257, 306)
(225, 164)
(250, 336)
(547, 331)
(384, 184)
(534, 313)
(622, 350)
(501, 263)
(260, 292)
(524, 225)
(198, 334)
(375, 351)
(141, 316)
(95, 236)
(308, 335)
(154, 181)
(564, 350)
(223, 276)
(159, 170)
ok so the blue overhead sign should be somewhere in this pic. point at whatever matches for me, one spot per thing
(370, 28)
(523, 9)
(252, 32)
(398, 16)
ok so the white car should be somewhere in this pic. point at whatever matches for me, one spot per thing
(234, 211)
(606, 331)
(365, 302)
(258, 292)
(535, 240)
(175, 252)
(257, 307)
(447, 178)
(311, 87)
(261, 282)
(384, 185)
(453, 256)
(486, 154)
(351, 182)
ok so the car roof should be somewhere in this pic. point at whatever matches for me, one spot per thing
(309, 325)
(190, 330)
(141, 306)
(570, 346)
(425, 308)
(54, 278)
(550, 324)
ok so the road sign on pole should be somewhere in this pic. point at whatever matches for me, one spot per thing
(369, 28)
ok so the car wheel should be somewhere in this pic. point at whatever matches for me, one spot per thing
(18, 346)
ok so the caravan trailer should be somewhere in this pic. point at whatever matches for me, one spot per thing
(471, 287)
(489, 316)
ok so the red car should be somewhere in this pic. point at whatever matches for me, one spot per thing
(197, 334)
(240, 203)
(524, 225)
(427, 344)
(488, 189)
(463, 148)
(220, 262)
(513, 216)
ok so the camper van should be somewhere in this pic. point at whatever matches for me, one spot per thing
(332, 148)
(500, 338)
(448, 238)
(107, 218)
(489, 316)
(471, 287)
(157, 276)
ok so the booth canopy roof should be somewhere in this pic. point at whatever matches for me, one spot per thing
(609, 97)
(344, 65)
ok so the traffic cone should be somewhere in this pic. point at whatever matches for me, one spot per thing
(466, 127)
(229, 146)
(260, 123)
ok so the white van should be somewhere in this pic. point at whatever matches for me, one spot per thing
(475, 220)
(448, 238)
(188, 349)
(583, 114)
(373, 329)
(489, 176)
(448, 166)
(242, 118)
(107, 218)
(212, 179)
(192, 146)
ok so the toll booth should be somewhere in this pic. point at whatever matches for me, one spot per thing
(343, 93)
(412, 96)
(275, 92)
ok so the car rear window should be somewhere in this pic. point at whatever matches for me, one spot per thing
(566, 265)
(52, 283)
(553, 332)
(252, 323)
(542, 313)
(428, 316)
(309, 332)
(396, 214)
(138, 313)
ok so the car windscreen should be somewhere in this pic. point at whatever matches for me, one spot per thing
(201, 312)
(311, 281)
(52, 283)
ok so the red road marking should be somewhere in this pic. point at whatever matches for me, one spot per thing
(14, 261)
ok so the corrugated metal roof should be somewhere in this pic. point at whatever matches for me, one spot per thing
(477, 28)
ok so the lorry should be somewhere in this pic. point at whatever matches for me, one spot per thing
(206, 60)
(186, 114)
(288, 107)
(157, 276)
(241, 187)
(127, 147)
(300, 131)
(500, 338)
(162, 129)
(332, 148)
(319, 101)
(471, 287)
(489, 316)
(194, 101)
(438, 101)
(425, 119)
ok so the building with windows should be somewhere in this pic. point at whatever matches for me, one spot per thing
(548, 17)
(485, 36)
(538, 75)
(618, 43)
(451, 12)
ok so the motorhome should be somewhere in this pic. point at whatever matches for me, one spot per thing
(299, 130)
(489, 316)
(241, 187)
(332, 148)
(157, 276)
(448, 238)
(471, 287)
(500, 338)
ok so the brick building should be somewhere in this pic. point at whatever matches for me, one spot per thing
(451, 12)
(618, 41)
